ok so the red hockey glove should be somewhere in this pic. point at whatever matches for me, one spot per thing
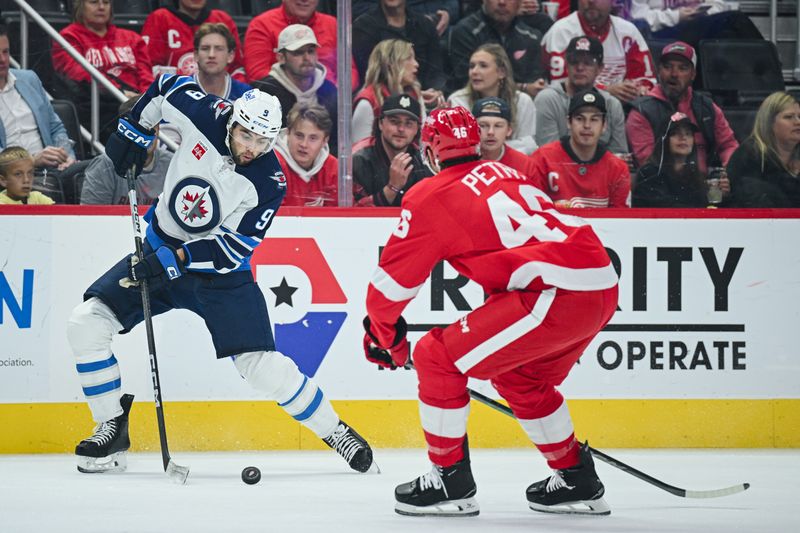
(392, 357)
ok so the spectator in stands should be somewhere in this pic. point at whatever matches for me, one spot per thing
(102, 185)
(689, 20)
(120, 54)
(765, 170)
(531, 13)
(261, 39)
(392, 70)
(27, 118)
(497, 22)
(390, 19)
(297, 76)
(578, 171)
(169, 33)
(312, 173)
(584, 60)
(442, 13)
(715, 142)
(16, 178)
(627, 66)
(671, 178)
(493, 115)
(491, 74)
(388, 167)
(214, 52)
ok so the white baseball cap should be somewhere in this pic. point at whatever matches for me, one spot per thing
(296, 36)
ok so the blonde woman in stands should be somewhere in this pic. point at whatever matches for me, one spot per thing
(392, 70)
(491, 74)
(765, 170)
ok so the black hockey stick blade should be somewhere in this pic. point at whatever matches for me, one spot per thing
(677, 491)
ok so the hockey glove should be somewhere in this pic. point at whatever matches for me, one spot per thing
(164, 260)
(392, 357)
(127, 147)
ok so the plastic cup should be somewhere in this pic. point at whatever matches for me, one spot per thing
(551, 9)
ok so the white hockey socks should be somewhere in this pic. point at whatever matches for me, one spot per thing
(89, 331)
(278, 377)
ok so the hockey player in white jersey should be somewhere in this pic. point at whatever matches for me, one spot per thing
(220, 196)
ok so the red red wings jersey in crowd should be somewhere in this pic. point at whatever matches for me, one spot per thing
(604, 181)
(494, 227)
(120, 54)
(170, 40)
(625, 52)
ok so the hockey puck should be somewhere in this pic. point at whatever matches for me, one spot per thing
(251, 475)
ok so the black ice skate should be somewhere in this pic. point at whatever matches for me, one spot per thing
(105, 450)
(444, 491)
(351, 446)
(575, 490)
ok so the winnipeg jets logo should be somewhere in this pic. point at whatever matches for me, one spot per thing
(280, 178)
(220, 107)
(194, 205)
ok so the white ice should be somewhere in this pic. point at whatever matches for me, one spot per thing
(315, 491)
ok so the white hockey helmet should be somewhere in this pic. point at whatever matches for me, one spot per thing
(258, 112)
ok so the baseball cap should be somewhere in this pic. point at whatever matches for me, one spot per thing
(589, 97)
(401, 104)
(296, 36)
(680, 119)
(587, 45)
(681, 49)
(492, 106)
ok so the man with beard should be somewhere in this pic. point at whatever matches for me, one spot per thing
(298, 76)
(391, 163)
(714, 142)
(584, 59)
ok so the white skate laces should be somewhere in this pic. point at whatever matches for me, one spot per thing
(104, 432)
(433, 479)
(343, 442)
(556, 482)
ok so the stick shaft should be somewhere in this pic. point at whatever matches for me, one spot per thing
(148, 320)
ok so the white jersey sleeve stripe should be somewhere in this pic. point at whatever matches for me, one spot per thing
(502, 339)
(391, 289)
(575, 279)
(552, 429)
(450, 423)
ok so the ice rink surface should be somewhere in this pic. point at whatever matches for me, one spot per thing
(315, 491)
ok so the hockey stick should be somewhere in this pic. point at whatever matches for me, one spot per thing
(175, 472)
(677, 491)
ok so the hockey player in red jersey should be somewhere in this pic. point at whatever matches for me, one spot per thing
(551, 288)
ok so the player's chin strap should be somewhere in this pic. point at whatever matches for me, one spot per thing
(677, 491)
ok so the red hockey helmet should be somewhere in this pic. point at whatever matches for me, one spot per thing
(450, 132)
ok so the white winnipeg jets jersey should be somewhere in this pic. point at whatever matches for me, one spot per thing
(217, 211)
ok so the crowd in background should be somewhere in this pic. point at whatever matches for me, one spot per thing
(569, 93)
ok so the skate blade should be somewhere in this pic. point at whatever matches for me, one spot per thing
(465, 507)
(177, 473)
(586, 507)
(116, 462)
(373, 468)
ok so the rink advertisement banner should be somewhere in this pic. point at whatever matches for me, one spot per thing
(708, 309)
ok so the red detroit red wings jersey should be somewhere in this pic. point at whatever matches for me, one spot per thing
(170, 41)
(494, 227)
(603, 182)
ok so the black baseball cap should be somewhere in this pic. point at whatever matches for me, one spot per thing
(588, 98)
(492, 106)
(680, 119)
(585, 45)
(401, 104)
